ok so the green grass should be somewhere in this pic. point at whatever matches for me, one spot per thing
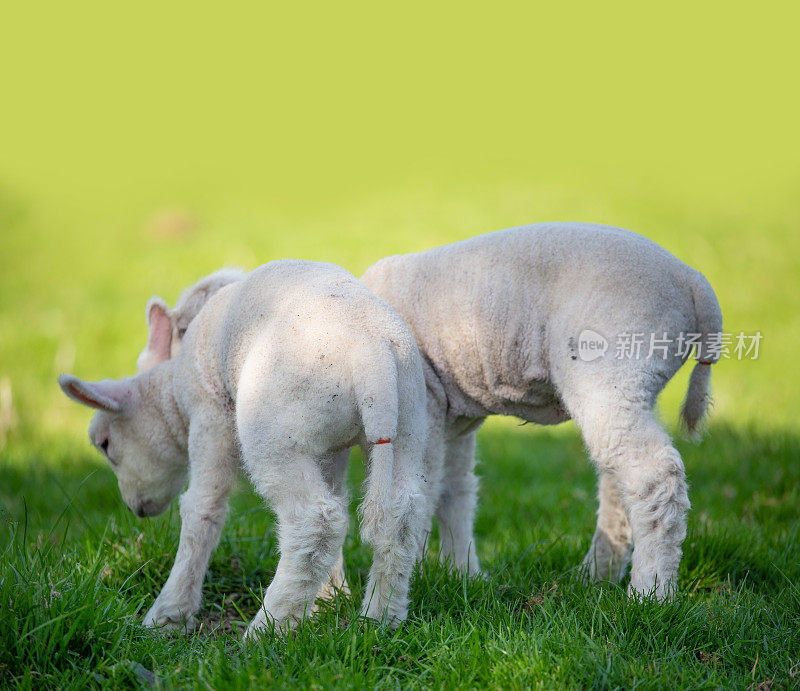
(140, 152)
(73, 590)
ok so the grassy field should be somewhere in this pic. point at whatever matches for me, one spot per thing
(127, 171)
(72, 591)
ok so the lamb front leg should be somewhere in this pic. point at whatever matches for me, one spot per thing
(203, 508)
(456, 509)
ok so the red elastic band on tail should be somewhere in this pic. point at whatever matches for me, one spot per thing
(700, 362)
(384, 441)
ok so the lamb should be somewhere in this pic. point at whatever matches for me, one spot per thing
(497, 320)
(161, 320)
(280, 372)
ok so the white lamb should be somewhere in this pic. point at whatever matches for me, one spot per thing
(163, 323)
(497, 320)
(281, 372)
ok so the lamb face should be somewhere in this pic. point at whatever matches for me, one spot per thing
(148, 460)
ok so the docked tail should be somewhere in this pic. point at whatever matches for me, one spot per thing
(709, 325)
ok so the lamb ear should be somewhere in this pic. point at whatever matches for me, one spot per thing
(107, 395)
(159, 339)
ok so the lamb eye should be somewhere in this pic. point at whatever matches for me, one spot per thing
(104, 447)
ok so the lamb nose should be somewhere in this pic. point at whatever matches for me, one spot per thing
(140, 510)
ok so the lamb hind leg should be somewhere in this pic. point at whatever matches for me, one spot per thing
(312, 526)
(609, 554)
(630, 444)
(334, 472)
(394, 529)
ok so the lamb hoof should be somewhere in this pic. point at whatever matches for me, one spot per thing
(169, 620)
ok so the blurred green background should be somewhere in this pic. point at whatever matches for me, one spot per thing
(144, 146)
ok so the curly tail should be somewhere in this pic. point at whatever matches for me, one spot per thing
(708, 323)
